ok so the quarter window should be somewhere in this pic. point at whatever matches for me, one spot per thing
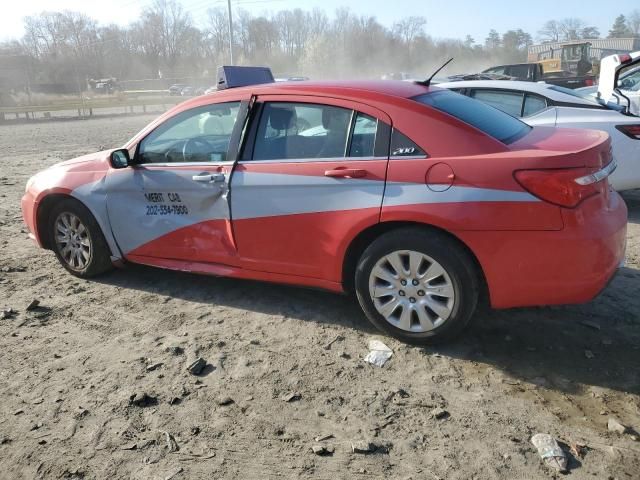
(403, 146)
(197, 135)
(302, 131)
(533, 104)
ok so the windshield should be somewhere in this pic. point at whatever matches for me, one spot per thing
(630, 79)
(493, 122)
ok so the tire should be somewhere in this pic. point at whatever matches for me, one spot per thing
(87, 237)
(440, 290)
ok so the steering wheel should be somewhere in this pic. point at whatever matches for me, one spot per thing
(189, 145)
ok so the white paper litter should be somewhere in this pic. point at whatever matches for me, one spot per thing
(378, 354)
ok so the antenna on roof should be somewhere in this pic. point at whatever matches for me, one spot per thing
(427, 82)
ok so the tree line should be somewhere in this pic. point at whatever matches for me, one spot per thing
(575, 29)
(166, 42)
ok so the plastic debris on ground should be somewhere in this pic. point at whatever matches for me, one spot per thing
(550, 452)
(378, 354)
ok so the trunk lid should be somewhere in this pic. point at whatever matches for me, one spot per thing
(565, 166)
(566, 147)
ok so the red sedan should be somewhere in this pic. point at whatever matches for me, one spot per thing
(418, 199)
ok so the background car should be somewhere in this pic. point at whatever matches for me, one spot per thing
(291, 78)
(176, 88)
(541, 104)
(629, 85)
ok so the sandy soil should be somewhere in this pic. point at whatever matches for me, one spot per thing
(69, 369)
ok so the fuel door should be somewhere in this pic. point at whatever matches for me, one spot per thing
(439, 177)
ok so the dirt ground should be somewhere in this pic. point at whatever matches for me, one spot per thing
(69, 369)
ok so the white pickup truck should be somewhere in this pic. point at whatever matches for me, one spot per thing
(620, 81)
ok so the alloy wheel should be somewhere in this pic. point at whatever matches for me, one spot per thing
(73, 241)
(412, 291)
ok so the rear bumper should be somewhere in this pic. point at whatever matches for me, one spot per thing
(572, 265)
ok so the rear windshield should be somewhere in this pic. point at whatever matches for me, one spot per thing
(587, 97)
(576, 93)
(493, 122)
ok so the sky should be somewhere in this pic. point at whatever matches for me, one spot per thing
(445, 19)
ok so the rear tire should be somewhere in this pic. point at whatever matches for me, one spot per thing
(418, 286)
(77, 240)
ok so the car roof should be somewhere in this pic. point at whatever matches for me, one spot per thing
(540, 88)
(348, 88)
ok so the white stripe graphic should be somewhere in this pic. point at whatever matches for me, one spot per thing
(255, 195)
(398, 194)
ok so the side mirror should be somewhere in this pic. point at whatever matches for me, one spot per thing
(120, 158)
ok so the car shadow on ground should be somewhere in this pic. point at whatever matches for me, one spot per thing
(632, 199)
(593, 344)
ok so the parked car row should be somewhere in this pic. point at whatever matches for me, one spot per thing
(421, 201)
(598, 107)
(629, 85)
(185, 90)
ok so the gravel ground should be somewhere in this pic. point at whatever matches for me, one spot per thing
(94, 381)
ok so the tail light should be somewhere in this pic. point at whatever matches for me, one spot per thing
(589, 82)
(632, 131)
(565, 187)
(624, 58)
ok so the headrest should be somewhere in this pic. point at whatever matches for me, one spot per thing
(211, 125)
(334, 118)
(282, 118)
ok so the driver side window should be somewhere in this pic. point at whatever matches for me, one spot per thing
(198, 135)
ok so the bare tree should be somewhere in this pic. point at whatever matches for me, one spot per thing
(148, 39)
(633, 22)
(590, 33)
(318, 23)
(409, 28)
(166, 34)
(550, 32)
(216, 35)
(571, 29)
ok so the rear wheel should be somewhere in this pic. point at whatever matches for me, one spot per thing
(77, 240)
(417, 285)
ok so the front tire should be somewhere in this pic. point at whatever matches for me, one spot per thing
(418, 286)
(77, 240)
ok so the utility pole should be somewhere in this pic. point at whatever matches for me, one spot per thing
(230, 33)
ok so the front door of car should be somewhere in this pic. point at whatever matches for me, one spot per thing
(172, 203)
(310, 176)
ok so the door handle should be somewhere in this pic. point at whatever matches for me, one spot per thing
(209, 178)
(346, 173)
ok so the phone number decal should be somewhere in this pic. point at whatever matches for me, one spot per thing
(156, 205)
(167, 210)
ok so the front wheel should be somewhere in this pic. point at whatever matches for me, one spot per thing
(417, 285)
(77, 240)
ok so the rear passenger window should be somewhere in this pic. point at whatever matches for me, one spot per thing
(301, 131)
(533, 104)
(508, 102)
(403, 146)
(363, 139)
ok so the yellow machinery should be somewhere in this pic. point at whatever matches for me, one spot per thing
(573, 58)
